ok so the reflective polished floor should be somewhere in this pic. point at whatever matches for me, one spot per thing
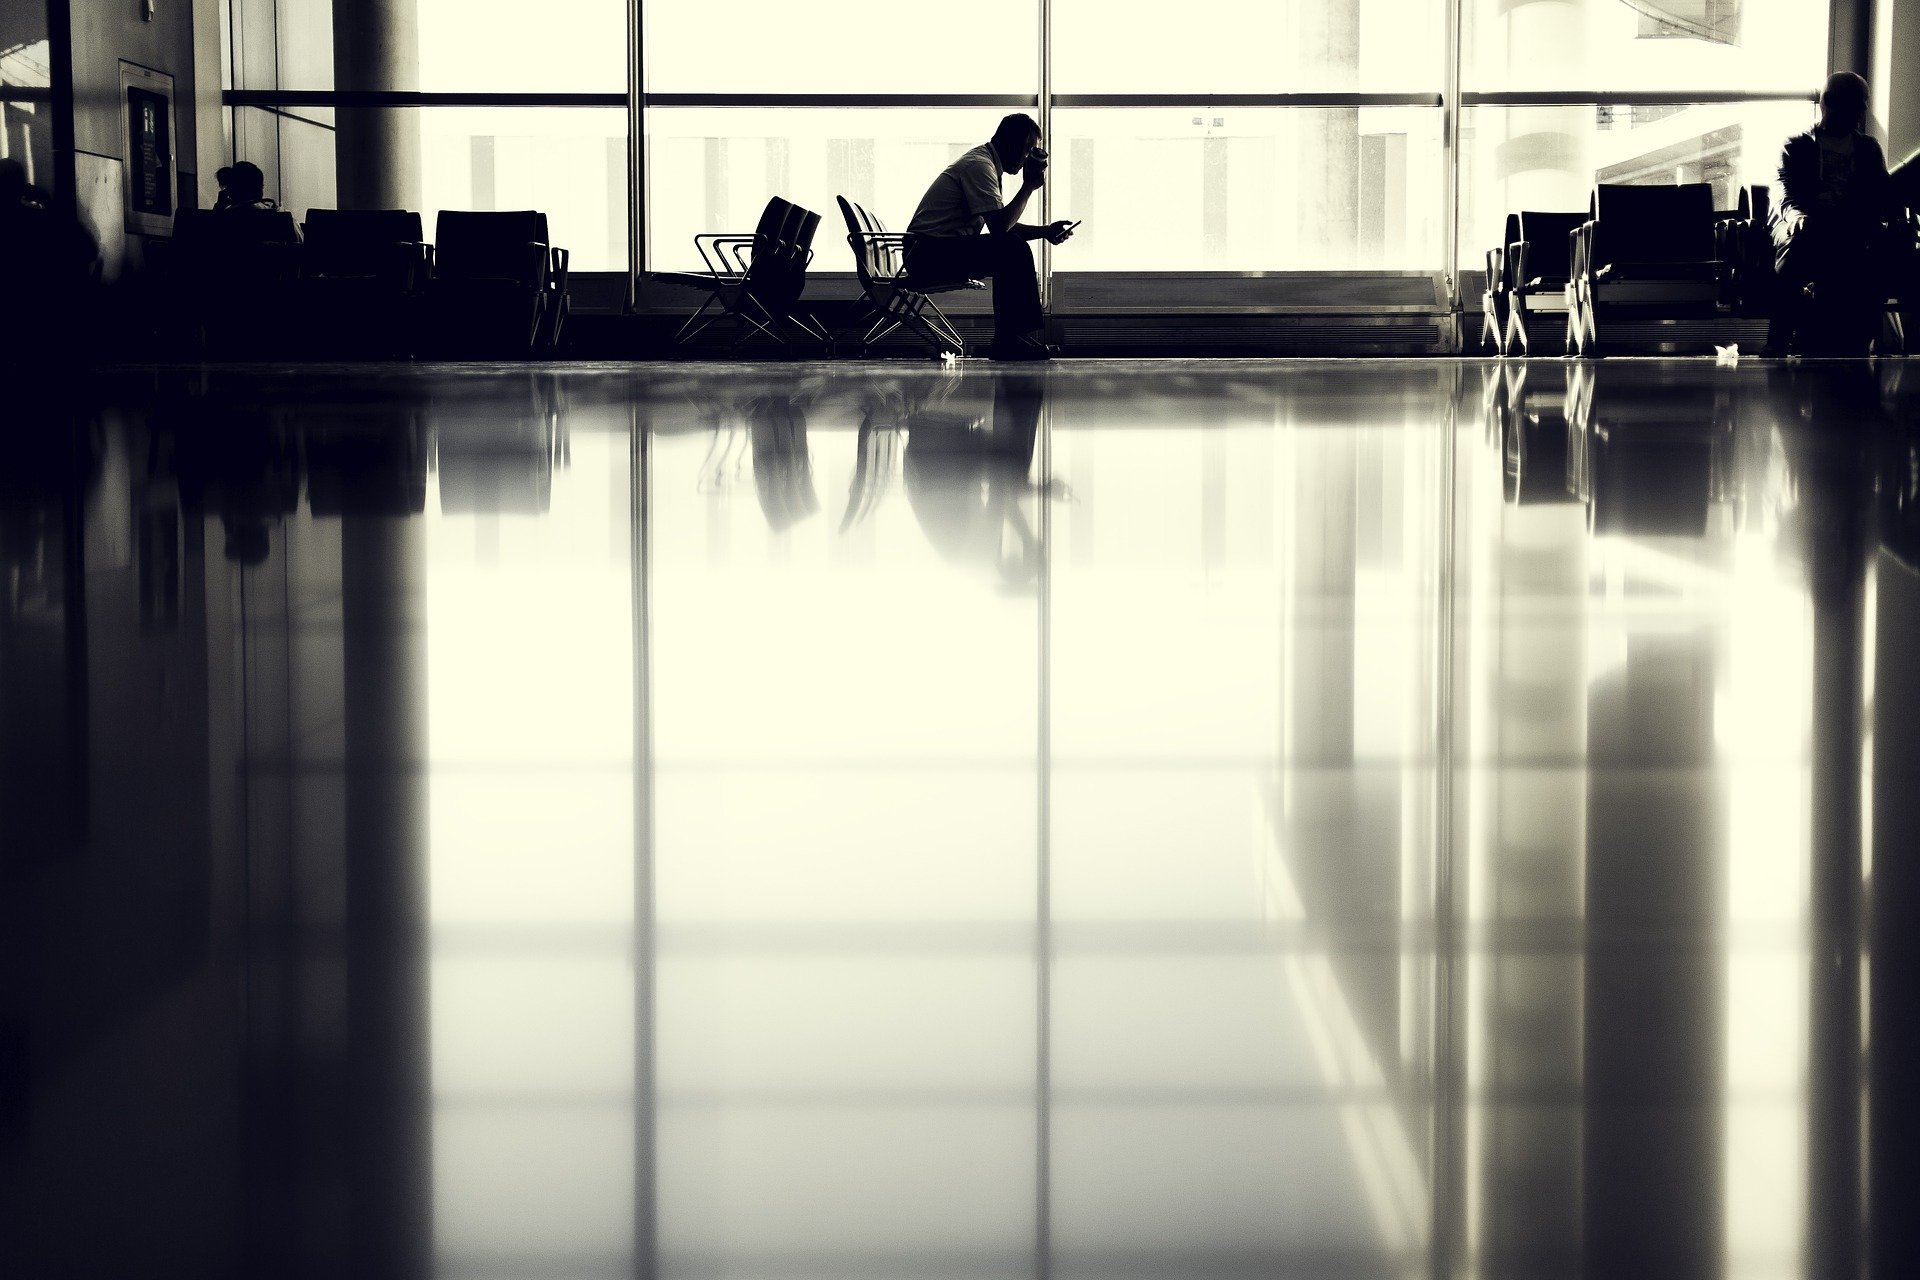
(1139, 820)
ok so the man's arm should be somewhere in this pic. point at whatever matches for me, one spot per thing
(1007, 219)
(1798, 187)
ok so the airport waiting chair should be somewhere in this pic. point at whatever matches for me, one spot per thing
(498, 286)
(234, 272)
(1643, 253)
(1743, 242)
(1494, 299)
(362, 271)
(1903, 277)
(1539, 262)
(894, 300)
(756, 279)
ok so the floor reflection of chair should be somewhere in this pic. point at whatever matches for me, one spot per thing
(496, 455)
(877, 456)
(782, 465)
(1534, 438)
(1641, 454)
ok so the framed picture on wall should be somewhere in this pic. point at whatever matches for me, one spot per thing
(151, 154)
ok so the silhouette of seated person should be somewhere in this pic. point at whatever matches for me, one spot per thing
(47, 259)
(1829, 229)
(964, 229)
(244, 190)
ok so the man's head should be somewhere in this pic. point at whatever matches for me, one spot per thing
(1843, 103)
(246, 182)
(224, 176)
(1014, 140)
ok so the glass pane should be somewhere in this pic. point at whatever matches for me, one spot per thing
(502, 46)
(1755, 45)
(840, 46)
(714, 169)
(1249, 46)
(279, 44)
(294, 149)
(1244, 189)
(571, 163)
(1550, 157)
(27, 63)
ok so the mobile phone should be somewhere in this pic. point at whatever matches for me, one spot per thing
(1076, 222)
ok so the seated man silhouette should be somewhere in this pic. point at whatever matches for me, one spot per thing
(245, 190)
(1828, 228)
(945, 240)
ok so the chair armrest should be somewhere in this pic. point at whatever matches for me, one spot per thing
(559, 266)
(1517, 254)
(724, 245)
(1579, 252)
(1496, 270)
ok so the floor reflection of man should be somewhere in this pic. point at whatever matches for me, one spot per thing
(967, 480)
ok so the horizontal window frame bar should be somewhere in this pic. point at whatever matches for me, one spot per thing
(28, 93)
(288, 98)
(1084, 101)
(284, 114)
(723, 100)
(1611, 98)
(349, 99)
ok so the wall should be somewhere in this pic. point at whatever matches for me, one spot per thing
(99, 34)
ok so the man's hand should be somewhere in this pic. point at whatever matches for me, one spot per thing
(1059, 232)
(1033, 174)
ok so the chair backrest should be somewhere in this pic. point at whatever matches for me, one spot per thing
(357, 241)
(476, 245)
(1755, 202)
(347, 230)
(1653, 224)
(195, 228)
(873, 257)
(1549, 247)
(777, 272)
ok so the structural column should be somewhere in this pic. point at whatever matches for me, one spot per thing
(388, 1158)
(376, 49)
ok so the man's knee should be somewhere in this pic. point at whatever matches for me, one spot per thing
(1012, 251)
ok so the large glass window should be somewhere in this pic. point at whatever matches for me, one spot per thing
(841, 46)
(1249, 46)
(570, 163)
(1248, 136)
(1630, 46)
(504, 46)
(1248, 188)
(1551, 157)
(712, 169)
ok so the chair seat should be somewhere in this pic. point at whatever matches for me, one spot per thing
(1660, 271)
(937, 286)
(1542, 284)
(694, 279)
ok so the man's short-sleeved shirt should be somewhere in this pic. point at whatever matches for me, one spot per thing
(958, 202)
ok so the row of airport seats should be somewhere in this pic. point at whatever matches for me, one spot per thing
(367, 283)
(1642, 253)
(756, 279)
